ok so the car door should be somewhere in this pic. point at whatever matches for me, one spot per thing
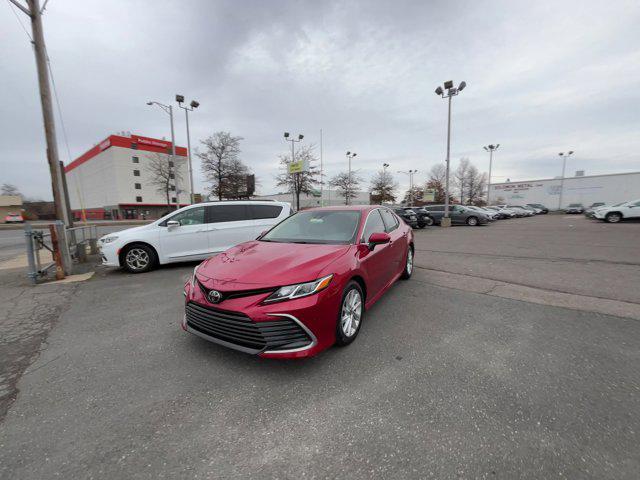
(632, 210)
(229, 225)
(264, 216)
(187, 241)
(377, 263)
(458, 214)
(437, 212)
(397, 234)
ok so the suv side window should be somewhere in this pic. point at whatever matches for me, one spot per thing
(390, 220)
(193, 216)
(374, 225)
(227, 213)
(265, 211)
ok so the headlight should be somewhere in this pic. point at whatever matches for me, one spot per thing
(300, 290)
(109, 239)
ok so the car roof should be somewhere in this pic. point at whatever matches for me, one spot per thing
(359, 208)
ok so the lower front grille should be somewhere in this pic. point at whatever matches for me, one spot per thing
(240, 331)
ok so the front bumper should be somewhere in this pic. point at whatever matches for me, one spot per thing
(109, 252)
(290, 329)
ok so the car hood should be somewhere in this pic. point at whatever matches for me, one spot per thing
(127, 231)
(256, 265)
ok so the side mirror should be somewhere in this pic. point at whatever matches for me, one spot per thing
(172, 224)
(378, 238)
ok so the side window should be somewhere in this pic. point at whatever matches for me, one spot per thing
(264, 211)
(193, 216)
(637, 204)
(228, 213)
(390, 220)
(374, 225)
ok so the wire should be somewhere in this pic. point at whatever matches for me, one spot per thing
(13, 9)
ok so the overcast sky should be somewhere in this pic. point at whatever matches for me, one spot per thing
(542, 77)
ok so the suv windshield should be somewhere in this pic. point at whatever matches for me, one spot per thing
(316, 226)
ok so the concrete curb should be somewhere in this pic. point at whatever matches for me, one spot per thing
(529, 294)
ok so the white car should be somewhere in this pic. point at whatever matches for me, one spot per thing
(191, 233)
(620, 211)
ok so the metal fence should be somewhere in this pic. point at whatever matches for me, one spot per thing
(54, 250)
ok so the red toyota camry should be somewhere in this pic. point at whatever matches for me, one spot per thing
(303, 285)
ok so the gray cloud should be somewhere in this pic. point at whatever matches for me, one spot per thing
(542, 77)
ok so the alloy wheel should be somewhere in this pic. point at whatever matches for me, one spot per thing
(472, 221)
(351, 313)
(409, 261)
(137, 259)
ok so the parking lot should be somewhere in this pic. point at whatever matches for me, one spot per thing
(496, 360)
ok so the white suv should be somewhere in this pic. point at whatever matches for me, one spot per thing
(190, 233)
(615, 213)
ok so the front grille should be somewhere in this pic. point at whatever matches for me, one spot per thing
(238, 329)
(236, 293)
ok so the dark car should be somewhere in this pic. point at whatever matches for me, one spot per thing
(459, 215)
(424, 218)
(574, 208)
(409, 216)
(589, 212)
(540, 206)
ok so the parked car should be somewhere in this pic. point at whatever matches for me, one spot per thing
(539, 206)
(408, 215)
(502, 212)
(574, 208)
(520, 211)
(490, 214)
(190, 233)
(459, 215)
(618, 212)
(302, 286)
(423, 216)
(589, 212)
(14, 218)
(533, 210)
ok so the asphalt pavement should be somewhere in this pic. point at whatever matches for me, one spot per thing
(441, 383)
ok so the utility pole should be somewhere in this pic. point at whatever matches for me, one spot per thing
(490, 149)
(564, 166)
(168, 109)
(34, 12)
(411, 173)
(350, 155)
(190, 108)
(295, 176)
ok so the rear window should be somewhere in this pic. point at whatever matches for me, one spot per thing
(390, 220)
(227, 213)
(264, 211)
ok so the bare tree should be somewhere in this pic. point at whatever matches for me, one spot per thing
(476, 183)
(236, 185)
(347, 185)
(437, 182)
(461, 176)
(413, 195)
(383, 187)
(9, 189)
(303, 182)
(220, 160)
(163, 175)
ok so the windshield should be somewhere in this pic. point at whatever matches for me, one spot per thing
(316, 226)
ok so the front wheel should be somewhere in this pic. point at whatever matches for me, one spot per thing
(472, 221)
(350, 315)
(138, 259)
(613, 217)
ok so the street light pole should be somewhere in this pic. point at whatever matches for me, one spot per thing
(168, 109)
(296, 176)
(564, 166)
(411, 173)
(350, 155)
(190, 108)
(451, 91)
(490, 149)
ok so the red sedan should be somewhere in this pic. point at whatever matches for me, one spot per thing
(303, 285)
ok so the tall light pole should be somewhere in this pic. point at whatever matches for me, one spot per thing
(490, 149)
(190, 108)
(384, 167)
(411, 173)
(168, 109)
(564, 166)
(34, 12)
(451, 92)
(296, 176)
(350, 155)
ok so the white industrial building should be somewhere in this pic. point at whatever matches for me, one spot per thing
(329, 198)
(584, 189)
(112, 179)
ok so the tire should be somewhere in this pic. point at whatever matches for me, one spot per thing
(345, 331)
(472, 221)
(613, 217)
(421, 225)
(138, 258)
(408, 265)
(428, 221)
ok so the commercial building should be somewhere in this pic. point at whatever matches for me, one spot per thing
(329, 198)
(113, 180)
(611, 188)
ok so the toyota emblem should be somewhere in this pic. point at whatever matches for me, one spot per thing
(214, 296)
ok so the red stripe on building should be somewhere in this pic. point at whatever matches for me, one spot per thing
(146, 144)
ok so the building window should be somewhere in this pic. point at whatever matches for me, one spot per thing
(171, 165)
(174, 200)
(138, 186)
(139, 199)
(136, 173)
(134, 146)
(135, 159)
(173, 188)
